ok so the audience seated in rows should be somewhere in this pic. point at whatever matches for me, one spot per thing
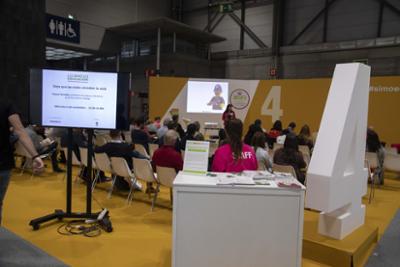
(290, 155)
(261, 150)
(166, 155)
(235, 156)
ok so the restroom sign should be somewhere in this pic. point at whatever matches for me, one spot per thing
(63, 29)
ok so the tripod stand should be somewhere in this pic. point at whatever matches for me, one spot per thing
(68, 214)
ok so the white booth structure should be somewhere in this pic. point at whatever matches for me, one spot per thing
(336, 177)
(236, 225)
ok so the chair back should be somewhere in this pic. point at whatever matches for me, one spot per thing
(305, 150)
(100, 140)
(143, 170)
(166, 176)
(140, 148)
(103, 162)
(284, 168)
(372, 158)
(392, 162)
(153, 148)
(84, 154)
(120, 167)
(75, 160)
(128, 137)
(277, 146)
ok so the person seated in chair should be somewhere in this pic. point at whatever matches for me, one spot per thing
(118, 148)
(166, 155)
(290, 155)
(139, 135)
(44, 146)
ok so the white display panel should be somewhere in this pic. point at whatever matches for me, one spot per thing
(336, 177)
(79, 99)
(207, 97)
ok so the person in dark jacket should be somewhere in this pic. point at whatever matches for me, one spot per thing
(190, 135)
(118, 148)
(139, 135)
(254, 128)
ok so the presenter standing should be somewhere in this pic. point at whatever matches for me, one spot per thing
(10, 118)
(228, 114)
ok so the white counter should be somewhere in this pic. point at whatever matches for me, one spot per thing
(235, 225)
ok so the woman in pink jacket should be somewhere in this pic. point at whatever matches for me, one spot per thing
(235, 156)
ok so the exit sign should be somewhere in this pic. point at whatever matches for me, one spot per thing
(226, 8)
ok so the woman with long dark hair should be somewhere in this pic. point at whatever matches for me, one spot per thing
(304, 137)
(228, 114)
(235, 156)
(290, 155)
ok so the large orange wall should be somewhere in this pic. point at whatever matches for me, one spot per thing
(302, 101)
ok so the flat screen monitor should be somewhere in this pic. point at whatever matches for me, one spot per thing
(79, 99)
(207, 97)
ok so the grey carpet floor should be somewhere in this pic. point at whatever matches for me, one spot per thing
(17, 252)
(387, 252)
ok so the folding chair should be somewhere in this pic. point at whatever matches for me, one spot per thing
(104, 164)
(140, 148)
(166, 177)
(22, 152)
(96, 172)
(143, 170)
(121, 168)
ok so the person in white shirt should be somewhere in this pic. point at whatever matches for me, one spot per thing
(263, 158)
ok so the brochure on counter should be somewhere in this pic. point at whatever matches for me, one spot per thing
(265, 178)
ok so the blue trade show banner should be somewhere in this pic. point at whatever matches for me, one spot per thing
(63, 29)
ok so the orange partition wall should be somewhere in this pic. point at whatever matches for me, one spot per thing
(300, 100)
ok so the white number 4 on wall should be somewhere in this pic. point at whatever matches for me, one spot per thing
(272, 104)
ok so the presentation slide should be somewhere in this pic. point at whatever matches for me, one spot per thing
(207, 97)
(79, 99)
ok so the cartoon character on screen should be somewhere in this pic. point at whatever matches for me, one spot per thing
(217, 102)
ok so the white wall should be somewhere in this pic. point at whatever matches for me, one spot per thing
(97, 15)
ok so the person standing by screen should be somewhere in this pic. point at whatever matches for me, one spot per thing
(10, 118)
(228, 114)
(234, 156)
